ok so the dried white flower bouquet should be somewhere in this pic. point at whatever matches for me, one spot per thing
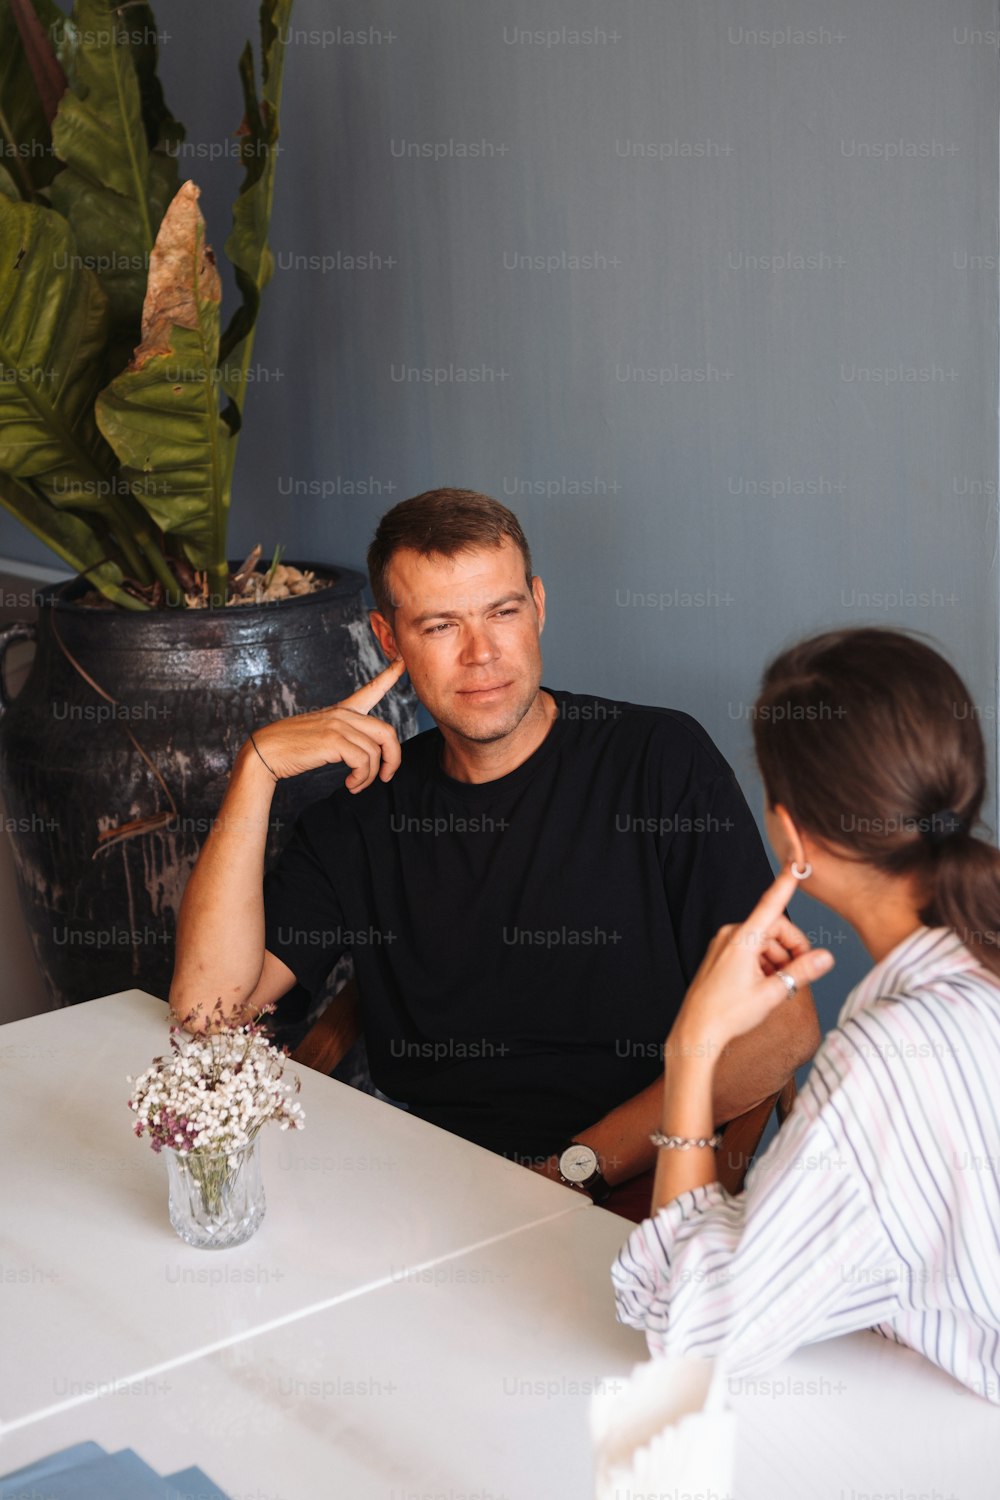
(208, 1100)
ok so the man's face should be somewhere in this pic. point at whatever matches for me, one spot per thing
(468, 629)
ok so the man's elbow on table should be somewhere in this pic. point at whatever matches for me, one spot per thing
(196, 1009)
(201, 1016)
(198, 1004)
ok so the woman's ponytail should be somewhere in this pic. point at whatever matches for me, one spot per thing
(965, 878)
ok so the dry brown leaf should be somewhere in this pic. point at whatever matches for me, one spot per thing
(182, 273)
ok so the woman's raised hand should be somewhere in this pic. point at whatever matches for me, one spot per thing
(738, 983)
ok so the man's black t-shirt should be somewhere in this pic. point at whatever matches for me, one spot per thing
(521, 946)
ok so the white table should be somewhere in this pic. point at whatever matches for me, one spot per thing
(472, 1374)
(475, 1378)
(418, 1387)
(97, 1287)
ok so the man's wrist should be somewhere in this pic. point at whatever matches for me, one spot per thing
(248, 766)
(249, 755)
(550, 1168)
(581, 1166)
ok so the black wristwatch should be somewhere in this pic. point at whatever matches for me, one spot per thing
(579, 1167)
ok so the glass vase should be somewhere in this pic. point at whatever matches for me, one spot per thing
(216, 1198)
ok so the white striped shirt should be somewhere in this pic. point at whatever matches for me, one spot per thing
(877, 1204)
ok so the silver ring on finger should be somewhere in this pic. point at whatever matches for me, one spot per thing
(790, 982)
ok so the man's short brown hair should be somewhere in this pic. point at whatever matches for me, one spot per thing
(442, 523)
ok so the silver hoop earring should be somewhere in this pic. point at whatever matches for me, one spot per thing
(803, 873)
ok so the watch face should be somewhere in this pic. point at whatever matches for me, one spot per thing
(577, 1163)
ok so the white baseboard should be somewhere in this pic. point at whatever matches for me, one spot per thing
(34, 571)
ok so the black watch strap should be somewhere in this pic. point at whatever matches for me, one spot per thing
(598, 1187)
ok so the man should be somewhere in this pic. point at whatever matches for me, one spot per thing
(526, 891)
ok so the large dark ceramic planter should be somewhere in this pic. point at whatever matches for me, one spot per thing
(189, 685)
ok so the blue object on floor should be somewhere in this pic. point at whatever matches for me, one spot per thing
(193, 1484)
(112, 1476)
(66, 1458)
(87, 1472)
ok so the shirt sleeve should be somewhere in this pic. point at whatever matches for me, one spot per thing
(303, 920)
(714, 866)
(801, 1255)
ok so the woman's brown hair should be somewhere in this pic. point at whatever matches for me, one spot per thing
(871, 741)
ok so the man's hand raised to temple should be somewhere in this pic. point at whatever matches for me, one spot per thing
(341, 734)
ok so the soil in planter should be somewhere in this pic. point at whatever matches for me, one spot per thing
(281, 582)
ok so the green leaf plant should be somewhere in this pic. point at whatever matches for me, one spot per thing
(120, 400)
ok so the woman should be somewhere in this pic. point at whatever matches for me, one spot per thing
(878, 1204)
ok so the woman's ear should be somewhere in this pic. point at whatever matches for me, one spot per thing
(793, 850)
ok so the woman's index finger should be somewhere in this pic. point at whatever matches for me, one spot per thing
(772, 904)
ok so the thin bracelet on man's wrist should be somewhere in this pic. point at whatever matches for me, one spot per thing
(262, 760)
(683, 1143)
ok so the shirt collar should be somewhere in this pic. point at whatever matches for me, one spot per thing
(923, 957)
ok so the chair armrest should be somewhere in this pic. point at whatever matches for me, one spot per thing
(786, 1099)
(334, 1034)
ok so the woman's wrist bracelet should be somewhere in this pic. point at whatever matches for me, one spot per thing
(683, 1143)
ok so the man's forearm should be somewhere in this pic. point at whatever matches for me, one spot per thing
(220, 929)
(760, 1063)
(750, 1069)
(221, 959)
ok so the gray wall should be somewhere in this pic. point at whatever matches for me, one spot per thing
(795, 234)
